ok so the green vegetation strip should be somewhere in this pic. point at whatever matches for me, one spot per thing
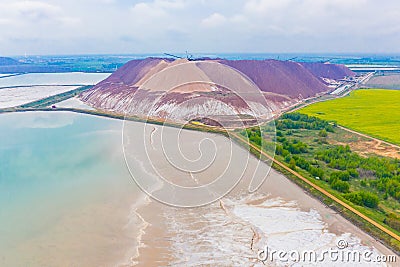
(375, 112)
(48, 101)
(364, 190)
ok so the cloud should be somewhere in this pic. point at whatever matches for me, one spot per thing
(157, 7)
(29, 14)
(265, 6)
(139, 26)
(149, 20)
(214, 20)
(170, 4)
(145, 10)
(35, 10)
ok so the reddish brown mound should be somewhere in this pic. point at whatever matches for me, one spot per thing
(130, 73)
(111, 93)
(284, 83)
(327, 70)
(280, 77)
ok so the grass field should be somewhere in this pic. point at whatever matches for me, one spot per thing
(375, 112)
(322, 154)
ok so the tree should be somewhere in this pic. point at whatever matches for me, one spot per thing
(292, 164)
(316, 172)
(369, 199)
(340, 185)
(344, 176)
(323, 133)
(363, 198)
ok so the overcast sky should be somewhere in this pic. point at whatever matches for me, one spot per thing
(156, 26)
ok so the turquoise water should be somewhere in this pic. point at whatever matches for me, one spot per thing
(62, 178)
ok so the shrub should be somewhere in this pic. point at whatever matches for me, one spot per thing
(340, 185)
(353, 173)
(292, 164)
(316, 172)
(323, 133)
(363, 198)
(344, 176)
(393, 221)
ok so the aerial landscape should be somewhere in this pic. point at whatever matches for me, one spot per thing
(199, 133)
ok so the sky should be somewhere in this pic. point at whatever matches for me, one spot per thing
(48, 27)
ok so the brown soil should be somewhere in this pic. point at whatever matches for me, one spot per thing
(368, 147)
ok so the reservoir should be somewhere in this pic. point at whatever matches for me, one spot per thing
(67, 198)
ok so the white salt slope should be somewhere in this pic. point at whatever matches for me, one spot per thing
(73, 102)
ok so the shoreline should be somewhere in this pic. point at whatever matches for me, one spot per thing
(132, 254)
(186, 237)
(168, 242)
(160, 239)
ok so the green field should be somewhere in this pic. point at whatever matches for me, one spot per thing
(375, 112)
(369, 183)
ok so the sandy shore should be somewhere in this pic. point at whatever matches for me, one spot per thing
(232, 230)
(156, 241)
(165, 245)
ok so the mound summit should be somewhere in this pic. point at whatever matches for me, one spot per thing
(142, 87)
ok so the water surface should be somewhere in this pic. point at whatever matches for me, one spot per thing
(68, 78)
(65, 194)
